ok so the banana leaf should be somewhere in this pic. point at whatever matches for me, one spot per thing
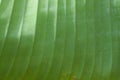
(59, 39)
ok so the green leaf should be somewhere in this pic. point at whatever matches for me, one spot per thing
(59, 39)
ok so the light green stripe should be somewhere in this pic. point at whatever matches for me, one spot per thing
(107, 40)
(90, 56)
(4, 21)
(115, 16)
(12, 39)
(69, 41)
(25, 47)
(49, 41)
(59, 43)
(80, 39)
(39, 42)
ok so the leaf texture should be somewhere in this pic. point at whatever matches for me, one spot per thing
(59, 39)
